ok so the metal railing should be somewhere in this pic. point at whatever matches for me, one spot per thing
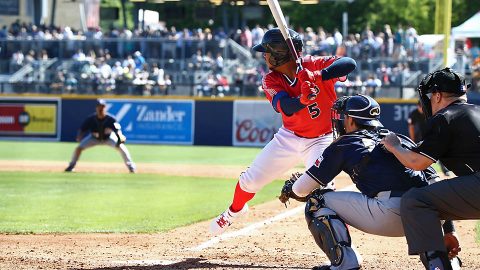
(234, 89)
(161, 48)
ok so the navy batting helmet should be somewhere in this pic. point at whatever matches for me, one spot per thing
(364, 110)
(274, 43)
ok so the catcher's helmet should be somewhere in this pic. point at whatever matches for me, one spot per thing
(444, 80)
(274, 43)
(364, 110)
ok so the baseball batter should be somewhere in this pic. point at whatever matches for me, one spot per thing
(379, 176)
(101, 128)
(453, 137)
(306, 129)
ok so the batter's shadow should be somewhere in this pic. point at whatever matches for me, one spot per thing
(191, 263)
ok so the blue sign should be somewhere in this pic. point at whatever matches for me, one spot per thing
(394, 116)
(156, 121)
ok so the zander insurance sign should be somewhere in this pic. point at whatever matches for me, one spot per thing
(36, 118)
(156, 121)
(254, 122)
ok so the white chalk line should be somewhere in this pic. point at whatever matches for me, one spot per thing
(249, 229)
(144, 262)
(168, 262)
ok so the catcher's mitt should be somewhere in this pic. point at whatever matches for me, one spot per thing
(287, 191)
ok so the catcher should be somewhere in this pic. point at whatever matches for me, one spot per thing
(378, 175)
(101, 128)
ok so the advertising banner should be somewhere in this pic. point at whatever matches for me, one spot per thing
(156, 121)
(37, 118)
(254, 122)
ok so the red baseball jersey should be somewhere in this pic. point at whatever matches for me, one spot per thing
(314, 120)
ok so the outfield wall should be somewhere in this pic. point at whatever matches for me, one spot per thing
(182, 121)
(225, 122)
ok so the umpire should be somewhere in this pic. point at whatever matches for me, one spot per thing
(453, 137)
(101, 128)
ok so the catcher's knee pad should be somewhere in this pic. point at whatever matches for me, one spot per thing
(330, 233)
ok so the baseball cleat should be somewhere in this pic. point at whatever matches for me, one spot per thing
(321, 267)
(220, 224)
(456, 263)
(70, 168)
(328, 267)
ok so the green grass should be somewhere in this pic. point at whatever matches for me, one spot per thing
(99, 202)
(87, 202)
(18, 150)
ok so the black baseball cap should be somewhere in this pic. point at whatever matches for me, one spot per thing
(447, 80)
(101, 102)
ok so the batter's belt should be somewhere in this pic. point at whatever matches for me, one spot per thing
(321, 135)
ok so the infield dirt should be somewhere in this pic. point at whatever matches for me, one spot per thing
(283, 244)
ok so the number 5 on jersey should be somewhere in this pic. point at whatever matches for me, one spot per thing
(314, 110)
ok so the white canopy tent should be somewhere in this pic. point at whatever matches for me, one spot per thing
(469, 29)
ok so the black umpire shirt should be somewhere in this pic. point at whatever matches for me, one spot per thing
(453, 137)
(97, 126)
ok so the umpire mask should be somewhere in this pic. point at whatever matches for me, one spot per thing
(444, 80)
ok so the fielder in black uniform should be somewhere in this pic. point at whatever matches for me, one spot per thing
(379, 176)
(453, 137)
(101, 128)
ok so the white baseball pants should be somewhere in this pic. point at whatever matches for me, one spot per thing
(281, 154)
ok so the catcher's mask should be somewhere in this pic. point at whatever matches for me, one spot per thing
(364, 110)
(274, 43)
(444, 80)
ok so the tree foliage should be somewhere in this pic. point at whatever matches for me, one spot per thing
(376, 13)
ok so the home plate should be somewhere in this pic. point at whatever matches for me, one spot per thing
(145, 262)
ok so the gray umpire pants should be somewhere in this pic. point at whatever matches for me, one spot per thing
(423, 208)
(90, 141)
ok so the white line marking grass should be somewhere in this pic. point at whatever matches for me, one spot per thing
(249, 229)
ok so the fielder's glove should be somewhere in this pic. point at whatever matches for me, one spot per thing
(287, 191)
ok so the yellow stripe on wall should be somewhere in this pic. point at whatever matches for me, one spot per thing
(43, 119)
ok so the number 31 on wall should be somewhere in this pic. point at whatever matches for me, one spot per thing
(401, 112)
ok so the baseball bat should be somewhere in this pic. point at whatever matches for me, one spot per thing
(282, 25)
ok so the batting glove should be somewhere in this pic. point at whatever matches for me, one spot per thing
(309, 92)
(307, 75)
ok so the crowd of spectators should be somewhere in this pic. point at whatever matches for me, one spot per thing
(29, 31)
(400, 45)
(100, 74)
(108, 66)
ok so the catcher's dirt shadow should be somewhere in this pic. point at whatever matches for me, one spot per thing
(192, 263)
